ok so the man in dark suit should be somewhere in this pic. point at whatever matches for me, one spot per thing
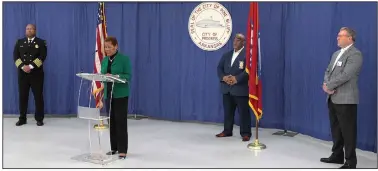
(341, 85)
(29, 54)
(234, 86)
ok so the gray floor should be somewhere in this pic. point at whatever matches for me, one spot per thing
(162, 144)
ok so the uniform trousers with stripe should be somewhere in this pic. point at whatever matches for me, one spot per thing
(33, 80)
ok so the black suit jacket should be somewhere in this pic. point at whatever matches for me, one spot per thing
(237, 70)
(34, 53)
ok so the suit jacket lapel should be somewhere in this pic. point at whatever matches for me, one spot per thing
(333, 60)
(229, 59)
(117, 62)
(236, 59)
(345, 54)
(115, 59)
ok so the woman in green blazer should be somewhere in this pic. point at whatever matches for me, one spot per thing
(118, 65)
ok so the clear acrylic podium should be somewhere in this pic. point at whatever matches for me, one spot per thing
(94, 115)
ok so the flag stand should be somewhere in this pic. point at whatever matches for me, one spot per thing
(286, 133)
(257, 145)
(136, 117)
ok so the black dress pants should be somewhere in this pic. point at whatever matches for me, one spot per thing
(343, 119)
(118, 124)
(230, 103)
(33, 80)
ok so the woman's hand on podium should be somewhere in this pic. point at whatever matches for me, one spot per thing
(112, 75)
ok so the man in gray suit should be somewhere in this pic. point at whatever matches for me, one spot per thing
(340, 83)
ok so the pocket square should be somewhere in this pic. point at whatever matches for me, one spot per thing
(339, 63)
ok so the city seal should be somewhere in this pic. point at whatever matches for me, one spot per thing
(210, 26)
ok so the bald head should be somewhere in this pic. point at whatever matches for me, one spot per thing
(30, 30)
(239, 41)
(240, 36)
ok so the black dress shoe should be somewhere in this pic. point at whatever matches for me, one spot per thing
(20, 122)
(39, 123)
(348, 166)
(332, 160)
(111, 153)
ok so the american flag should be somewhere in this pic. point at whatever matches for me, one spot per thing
(253, 61)
(101, 34)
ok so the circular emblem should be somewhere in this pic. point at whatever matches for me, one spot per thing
(36, 46)
(210, 26)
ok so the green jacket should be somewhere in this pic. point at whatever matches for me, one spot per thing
(121, 66)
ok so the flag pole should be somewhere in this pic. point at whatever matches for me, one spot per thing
(257, 145)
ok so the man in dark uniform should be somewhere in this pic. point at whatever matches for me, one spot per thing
(234, 87)
(29, 54)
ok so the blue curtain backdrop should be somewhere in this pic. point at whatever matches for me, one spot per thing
(175, 80)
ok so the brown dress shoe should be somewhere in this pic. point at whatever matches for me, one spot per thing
(223, 135)
(246, 138)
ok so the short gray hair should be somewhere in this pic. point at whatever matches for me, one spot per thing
(350, 32)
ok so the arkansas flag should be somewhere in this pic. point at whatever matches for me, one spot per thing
(253, 60)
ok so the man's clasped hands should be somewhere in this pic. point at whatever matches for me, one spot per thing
(230, 80)
(325, 89)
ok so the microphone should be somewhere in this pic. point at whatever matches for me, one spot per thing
(81, 70)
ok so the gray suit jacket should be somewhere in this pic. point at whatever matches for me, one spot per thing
(344, 77)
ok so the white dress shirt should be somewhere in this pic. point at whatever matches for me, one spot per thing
(235, 54)
(340, 54)
(31, 39)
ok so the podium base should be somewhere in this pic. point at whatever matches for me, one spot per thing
(101, 126)
(96, 158)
